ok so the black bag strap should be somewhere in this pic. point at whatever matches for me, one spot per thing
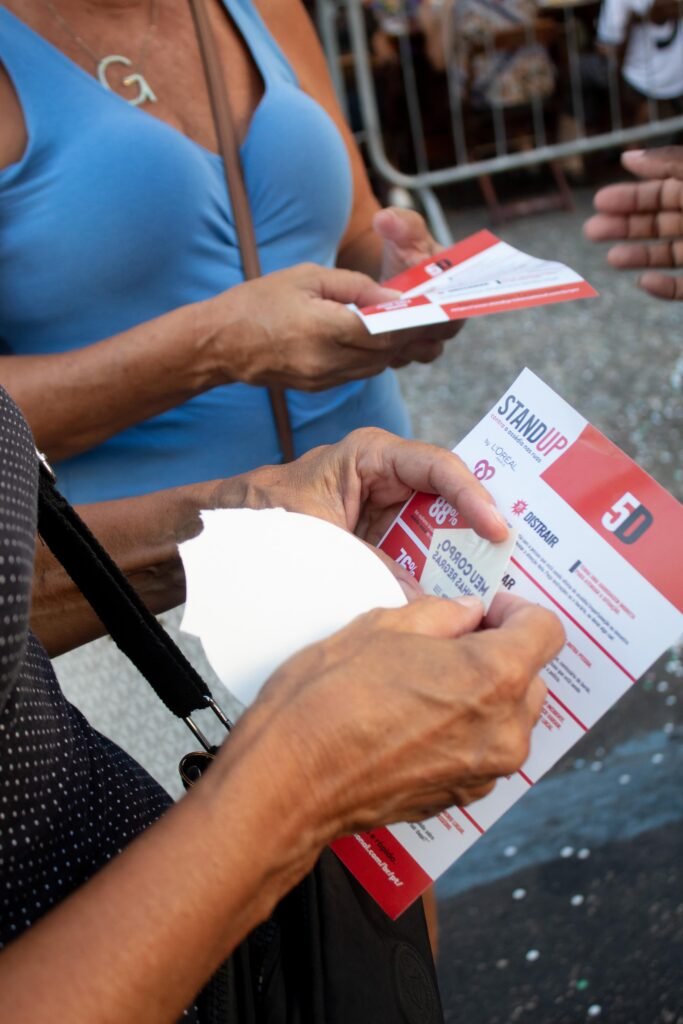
(125, 616)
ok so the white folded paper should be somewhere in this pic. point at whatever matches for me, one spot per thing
(261, 585)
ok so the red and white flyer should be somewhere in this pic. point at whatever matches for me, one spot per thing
(598, 542)
(475, 277)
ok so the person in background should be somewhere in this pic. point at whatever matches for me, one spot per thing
(492, 44)
(645, 37)
(645, 218)
(635, 68)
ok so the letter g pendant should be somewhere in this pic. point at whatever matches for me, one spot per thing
(144, 95)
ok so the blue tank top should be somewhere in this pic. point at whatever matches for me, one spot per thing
(112, 217)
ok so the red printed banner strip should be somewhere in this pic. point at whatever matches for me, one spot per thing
(384, 868)
(625, 506)
(400, 546)
(519, 300)
(417, 518)
(425, 513)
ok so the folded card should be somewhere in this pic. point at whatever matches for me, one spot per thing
(475, 277)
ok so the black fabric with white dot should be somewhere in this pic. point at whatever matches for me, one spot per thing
(70, 800)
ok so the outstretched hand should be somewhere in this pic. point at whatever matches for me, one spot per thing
(648, 216)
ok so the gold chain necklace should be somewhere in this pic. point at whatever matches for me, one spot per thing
(145, 93)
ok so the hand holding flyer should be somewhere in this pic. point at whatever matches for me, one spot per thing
(457, 561)
(594, 546)
(474, 277)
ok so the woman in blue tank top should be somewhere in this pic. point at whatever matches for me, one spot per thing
(129, 338)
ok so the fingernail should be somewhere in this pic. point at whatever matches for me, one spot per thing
(470, 601)
(498, 516)
(636, 152)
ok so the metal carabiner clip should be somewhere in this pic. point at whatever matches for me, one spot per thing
(197, 732)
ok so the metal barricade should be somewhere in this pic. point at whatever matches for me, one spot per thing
(345, 26)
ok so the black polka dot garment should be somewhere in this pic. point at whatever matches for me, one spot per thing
(70, 800)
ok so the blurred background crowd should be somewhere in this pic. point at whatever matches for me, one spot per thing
(455, 89)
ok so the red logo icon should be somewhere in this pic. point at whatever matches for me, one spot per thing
(483, 470)
(519, 507)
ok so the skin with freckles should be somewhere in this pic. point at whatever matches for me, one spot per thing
(645, 217)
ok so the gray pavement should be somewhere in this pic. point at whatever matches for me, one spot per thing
(570, 909)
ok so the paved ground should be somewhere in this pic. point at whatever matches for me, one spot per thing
(571, 908)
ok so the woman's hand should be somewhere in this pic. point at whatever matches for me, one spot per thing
(649, 215)
(406, 240)
(358, 484)
(399, 715)
(361, 483)
(408, 711)
(292, 328)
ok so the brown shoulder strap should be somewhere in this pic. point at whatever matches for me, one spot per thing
(244, 225)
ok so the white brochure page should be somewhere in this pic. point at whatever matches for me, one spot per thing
(475, 277)
(262, 584)
(598, 544)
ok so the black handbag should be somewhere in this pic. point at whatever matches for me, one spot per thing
(328, 954)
